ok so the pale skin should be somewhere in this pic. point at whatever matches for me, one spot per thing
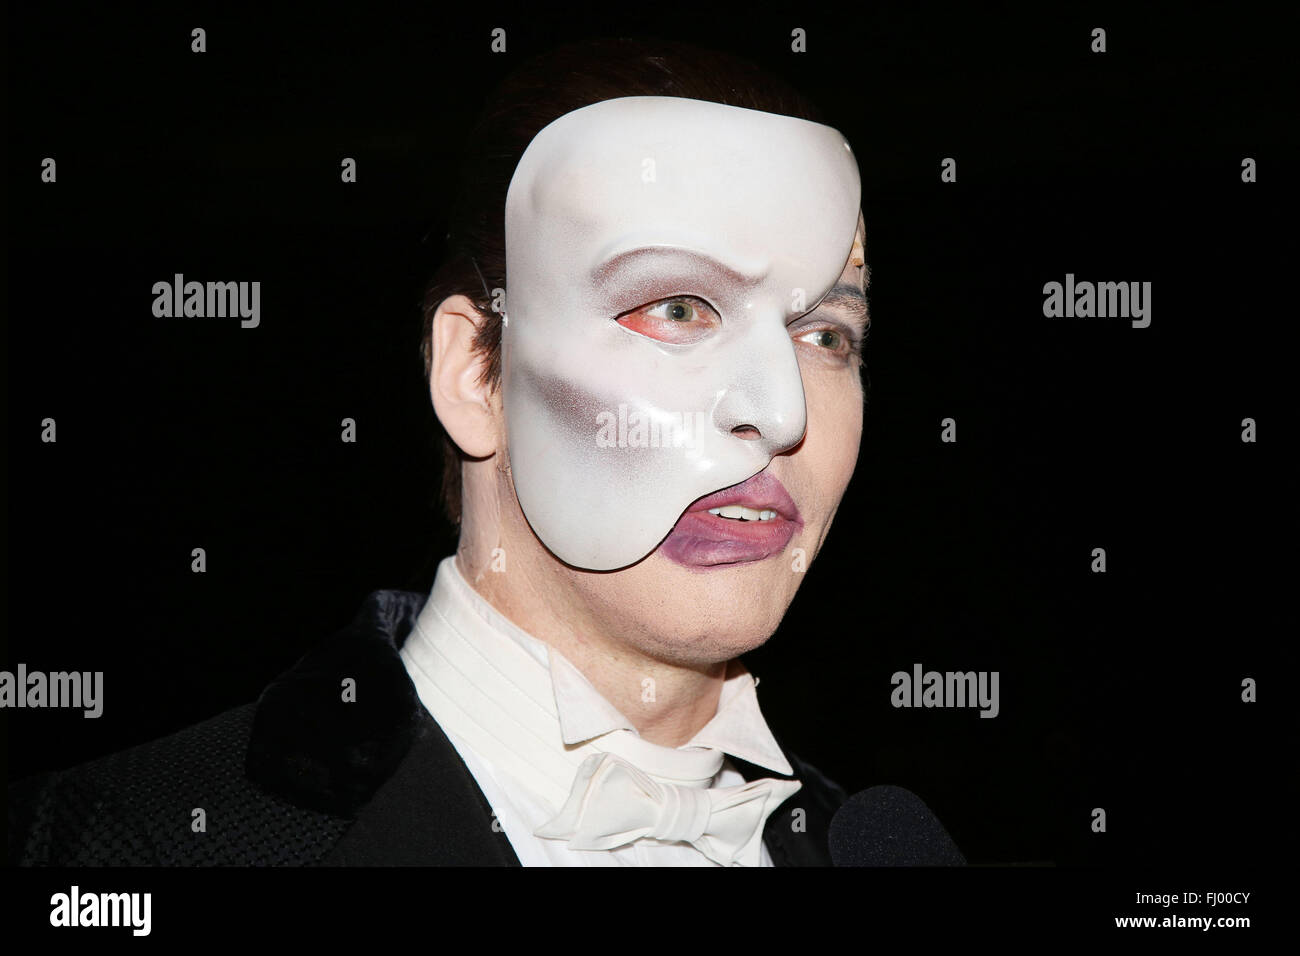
(678, 626)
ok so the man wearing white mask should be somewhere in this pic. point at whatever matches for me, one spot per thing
(645, 351)
(668, 264)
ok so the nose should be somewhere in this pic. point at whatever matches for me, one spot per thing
(763, 400)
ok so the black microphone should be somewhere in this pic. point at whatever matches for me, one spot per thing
(890, 826)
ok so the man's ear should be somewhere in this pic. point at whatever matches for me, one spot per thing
(461, 399)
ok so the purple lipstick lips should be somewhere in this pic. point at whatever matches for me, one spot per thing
(702, 539)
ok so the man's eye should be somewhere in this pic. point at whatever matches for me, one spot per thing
(826, 338)
(677, 321)
(679, 310)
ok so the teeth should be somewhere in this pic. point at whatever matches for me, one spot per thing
(743, 513)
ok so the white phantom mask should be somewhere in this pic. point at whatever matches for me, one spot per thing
(622, 204)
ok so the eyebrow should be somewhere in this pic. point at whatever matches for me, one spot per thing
(843, 296)
(847, 298)
(609, 269)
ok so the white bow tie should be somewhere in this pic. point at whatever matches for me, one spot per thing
(613, 803)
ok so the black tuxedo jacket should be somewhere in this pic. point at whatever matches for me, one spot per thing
(303, 777)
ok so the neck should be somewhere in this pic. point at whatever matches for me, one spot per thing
(667, 703)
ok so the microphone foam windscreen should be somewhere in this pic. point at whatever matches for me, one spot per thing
(890, 826)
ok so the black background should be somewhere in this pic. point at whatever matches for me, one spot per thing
(1119, 690)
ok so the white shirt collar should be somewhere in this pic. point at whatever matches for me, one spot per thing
(737, 728)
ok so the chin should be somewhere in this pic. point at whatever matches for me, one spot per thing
(711, 632)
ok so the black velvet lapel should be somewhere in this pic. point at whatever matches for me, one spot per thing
(380, 759)
(431, 812)
(384, 762)
(320, 751)
(797, 832)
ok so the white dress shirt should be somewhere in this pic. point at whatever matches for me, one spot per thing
(523, 718)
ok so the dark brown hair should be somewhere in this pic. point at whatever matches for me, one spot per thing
(540, 91)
